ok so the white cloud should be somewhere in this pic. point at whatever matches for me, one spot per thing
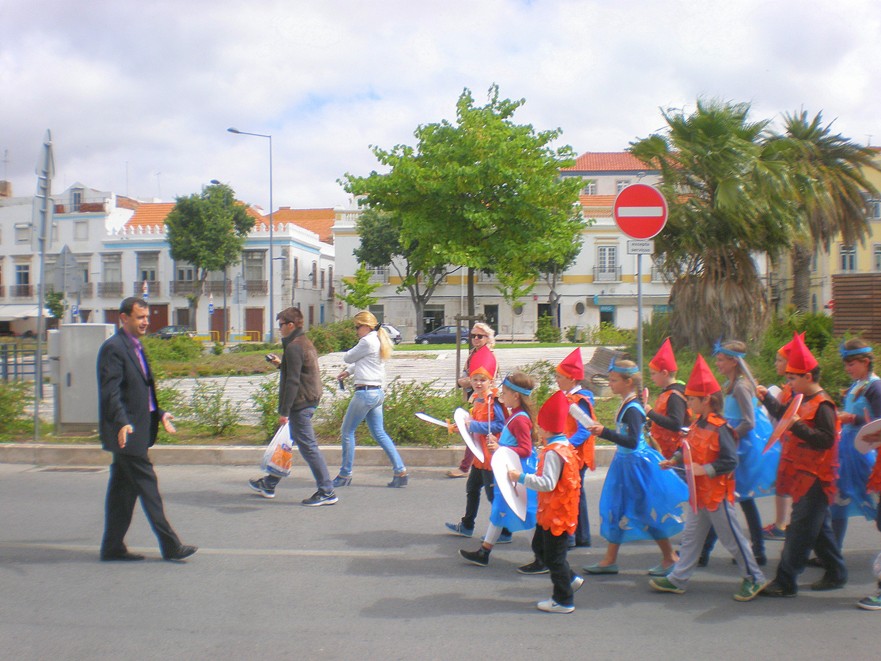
(139, 96)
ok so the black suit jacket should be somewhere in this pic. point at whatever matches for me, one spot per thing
(124, 397)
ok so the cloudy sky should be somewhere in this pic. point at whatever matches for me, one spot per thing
(138, 95)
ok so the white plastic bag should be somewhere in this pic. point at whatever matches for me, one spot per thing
(279, 455)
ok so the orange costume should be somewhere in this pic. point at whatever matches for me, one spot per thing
(668, 440)
(704, 442)
(800, 464)
(558, 509)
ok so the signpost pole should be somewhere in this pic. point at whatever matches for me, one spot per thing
(639, 311)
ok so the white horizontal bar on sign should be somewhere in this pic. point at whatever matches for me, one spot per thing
(634, 212)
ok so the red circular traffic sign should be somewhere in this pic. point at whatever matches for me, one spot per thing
(640, 211)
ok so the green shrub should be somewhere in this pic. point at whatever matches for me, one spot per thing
(545, 331)
(180, 348)
(266, 401)
(608, 335)
(338, 336)
(13, 397)
(573, 334)
(209, 409)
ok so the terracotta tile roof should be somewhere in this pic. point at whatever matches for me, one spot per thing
(612, 161)
(155, 213)
(597, 202)
(150, 214)
(319, 221)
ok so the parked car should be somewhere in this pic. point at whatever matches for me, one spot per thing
(443, 335)
(393, 333)
(168, 332)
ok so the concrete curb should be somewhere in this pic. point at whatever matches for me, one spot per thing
(52, 454)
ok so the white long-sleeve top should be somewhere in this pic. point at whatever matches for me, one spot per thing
(551, 471)
(364, 363)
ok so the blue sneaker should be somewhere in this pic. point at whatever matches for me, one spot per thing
(505, 538)
(459, 529)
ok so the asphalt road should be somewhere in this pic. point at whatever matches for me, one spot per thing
(373, 577)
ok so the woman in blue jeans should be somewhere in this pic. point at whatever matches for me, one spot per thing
(365, 364)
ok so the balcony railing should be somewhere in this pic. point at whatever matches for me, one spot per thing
(256, 286)
(659, 275)
(182, 287)
(110, 289)
(87, 289)
(153, 288)
(21, 291)
(612, 274)
(216, 286)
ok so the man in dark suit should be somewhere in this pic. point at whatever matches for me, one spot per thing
(129, 421)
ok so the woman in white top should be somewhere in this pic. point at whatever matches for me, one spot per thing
(365, 364)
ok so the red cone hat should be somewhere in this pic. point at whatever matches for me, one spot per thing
(664, 359)
(800, 359)
(483, 362)
(701, 383)
(553, 414)
(572, 366)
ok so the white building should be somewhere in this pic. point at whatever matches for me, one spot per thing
(121, 249)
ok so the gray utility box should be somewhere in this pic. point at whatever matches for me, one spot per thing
(73, 355)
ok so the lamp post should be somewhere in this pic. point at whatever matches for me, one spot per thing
(271, 230)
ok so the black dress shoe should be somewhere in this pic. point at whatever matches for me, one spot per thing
(124, 556)
(181, 553)
(774, 589)
(827, 583)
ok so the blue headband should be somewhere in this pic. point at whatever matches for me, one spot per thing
(627, 371)
(718, 348)
(523, 391)
(851, 353)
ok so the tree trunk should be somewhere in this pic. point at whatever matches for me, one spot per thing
(802, 256)
(419, 306)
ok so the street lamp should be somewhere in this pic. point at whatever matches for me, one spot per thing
(271, 230)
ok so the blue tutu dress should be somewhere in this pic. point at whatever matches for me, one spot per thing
(640, 500)
(502, 515)
(854, 468)
(756, 473)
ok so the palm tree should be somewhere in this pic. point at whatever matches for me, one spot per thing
(828, 185)
(726, 194)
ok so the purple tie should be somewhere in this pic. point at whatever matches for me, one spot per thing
(139, 350)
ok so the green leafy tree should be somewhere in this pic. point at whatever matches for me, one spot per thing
(829, 187)
(55, 304)
(727, 194)
(420, 270)
(552, 271)
(359, 290)
(207, 230)
(479, 193)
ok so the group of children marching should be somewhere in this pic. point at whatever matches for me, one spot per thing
(708, 448)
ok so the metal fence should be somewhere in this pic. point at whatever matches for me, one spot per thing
(18, 361)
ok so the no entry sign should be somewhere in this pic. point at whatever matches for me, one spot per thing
(640, 211)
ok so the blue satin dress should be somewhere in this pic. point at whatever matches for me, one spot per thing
(854, 468)
(502, 515)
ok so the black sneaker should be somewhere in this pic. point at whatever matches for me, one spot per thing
(320, 498)
(480, 557)
(259, 485)
(534, 567)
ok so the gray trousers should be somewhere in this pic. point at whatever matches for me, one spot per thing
(724, 520)
(303, 435)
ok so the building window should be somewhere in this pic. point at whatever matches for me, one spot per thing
(876, 256)
(185, 273)
(148, 265)
(296, 272)
(590, 187)
(848, 258)
(322, 278)
(874, 209)
(22, 274)
(607, 264)
(112, 268)
(81, 230)
(76, 199)
(378, 273)
(378, 312)
(22, 233)
(254, 265)
(621, 184)
(814, 262)
(314, 275)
